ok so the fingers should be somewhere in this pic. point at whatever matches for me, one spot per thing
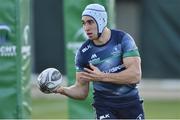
(88, 70)
(87, 76)
(92, 66)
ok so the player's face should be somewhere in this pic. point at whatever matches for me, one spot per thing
(90, 27)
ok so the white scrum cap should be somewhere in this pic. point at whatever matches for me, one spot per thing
(98, 13)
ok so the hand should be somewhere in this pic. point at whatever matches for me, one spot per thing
(92, 74)
(59, 90)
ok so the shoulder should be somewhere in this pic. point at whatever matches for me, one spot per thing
(82, 55)
(83, 48)
(118, 35)
(122, 34)
(118, 32)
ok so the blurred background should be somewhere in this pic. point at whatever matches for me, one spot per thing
(37, 34)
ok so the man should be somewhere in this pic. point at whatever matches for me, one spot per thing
(109, 59)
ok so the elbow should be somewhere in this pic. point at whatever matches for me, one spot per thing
(136, 77)
(83, 94)
(82, 97)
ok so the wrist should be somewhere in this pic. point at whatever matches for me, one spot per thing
(61, 90)
(105, 77)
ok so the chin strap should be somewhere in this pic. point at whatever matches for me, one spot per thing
(99, 34)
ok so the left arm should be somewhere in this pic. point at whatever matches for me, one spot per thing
(131, 75)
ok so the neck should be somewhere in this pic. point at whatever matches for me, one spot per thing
(104, 38)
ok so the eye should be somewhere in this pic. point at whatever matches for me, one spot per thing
(90, 22)
(82, 22)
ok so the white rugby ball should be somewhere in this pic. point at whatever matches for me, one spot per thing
(49, 80)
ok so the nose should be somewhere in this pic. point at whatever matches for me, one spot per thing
(86, 27)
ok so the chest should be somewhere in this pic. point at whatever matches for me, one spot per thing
(107, 58)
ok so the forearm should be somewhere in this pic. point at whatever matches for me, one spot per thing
(74, 92)
(124, 77)
(131, 75)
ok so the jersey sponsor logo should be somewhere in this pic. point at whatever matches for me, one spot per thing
(86, 48)
(114, 69)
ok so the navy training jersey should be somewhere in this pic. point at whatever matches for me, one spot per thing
(109, 59)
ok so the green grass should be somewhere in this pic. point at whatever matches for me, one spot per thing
(57, 108)
(49, 108)
(162, 109)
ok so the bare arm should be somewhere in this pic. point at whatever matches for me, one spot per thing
(77, 91)
(131, 75)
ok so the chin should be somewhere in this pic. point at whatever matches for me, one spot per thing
(93, 38)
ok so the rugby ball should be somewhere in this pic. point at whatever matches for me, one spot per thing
(49, 80)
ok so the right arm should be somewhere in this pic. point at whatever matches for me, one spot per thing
(78, 91)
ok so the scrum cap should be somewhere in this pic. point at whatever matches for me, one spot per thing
(98, 13)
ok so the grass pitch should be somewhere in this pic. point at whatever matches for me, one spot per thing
(49, 108)
(57, 109)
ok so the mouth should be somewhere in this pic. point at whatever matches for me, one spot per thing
(89, 34)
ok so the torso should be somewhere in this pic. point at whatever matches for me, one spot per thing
(109, 59)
